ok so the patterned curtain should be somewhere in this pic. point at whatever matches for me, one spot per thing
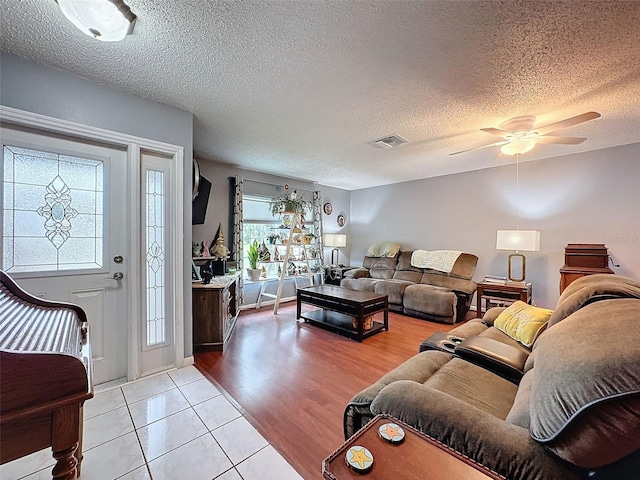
(317, 221)
(238, 185)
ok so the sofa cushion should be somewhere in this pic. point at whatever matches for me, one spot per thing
(413, 277)
(585, 403)
(362, 284)
(523, 322)
(519, 413)
(357, 273)
(450, 283)
(475, 386)
(383, 249)
(393, 288)
(430, 299)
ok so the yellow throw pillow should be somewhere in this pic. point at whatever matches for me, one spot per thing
(523, 322)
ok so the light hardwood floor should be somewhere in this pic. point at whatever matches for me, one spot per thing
(293, 380)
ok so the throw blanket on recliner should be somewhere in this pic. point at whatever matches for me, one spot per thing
(441, 260)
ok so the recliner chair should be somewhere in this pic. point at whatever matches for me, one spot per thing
(575, 414)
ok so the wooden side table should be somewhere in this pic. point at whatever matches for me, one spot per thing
(418, 457)
(505, 293)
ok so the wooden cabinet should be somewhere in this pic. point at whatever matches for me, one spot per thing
(215, 309)
(582, 259)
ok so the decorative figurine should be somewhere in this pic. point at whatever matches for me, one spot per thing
(219, 250)
(196, 249)
(205, 249)
(263, 253)
(206, 272)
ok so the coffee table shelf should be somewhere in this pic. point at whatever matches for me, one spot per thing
(339, 323)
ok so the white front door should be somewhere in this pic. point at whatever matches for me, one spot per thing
(64, 232)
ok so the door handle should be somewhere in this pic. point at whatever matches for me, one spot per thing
(116, 276)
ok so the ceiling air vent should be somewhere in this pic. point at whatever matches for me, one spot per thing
(389, 142)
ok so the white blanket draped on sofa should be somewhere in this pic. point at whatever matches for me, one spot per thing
(441, 260)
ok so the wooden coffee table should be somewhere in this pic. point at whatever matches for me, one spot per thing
(419, 457)
(339, 306)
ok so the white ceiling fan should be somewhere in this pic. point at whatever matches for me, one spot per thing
(519, 136)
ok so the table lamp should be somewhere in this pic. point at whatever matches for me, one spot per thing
(525, 240)
(337, 240)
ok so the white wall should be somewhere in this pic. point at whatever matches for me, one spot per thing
(36, 88)
(591, 197)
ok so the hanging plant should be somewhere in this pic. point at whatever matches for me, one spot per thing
(289, 202)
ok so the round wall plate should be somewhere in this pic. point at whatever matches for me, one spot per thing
(341, 220)
(328, 208)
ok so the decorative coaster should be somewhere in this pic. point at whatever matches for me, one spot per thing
(359, 459)
(391, 432)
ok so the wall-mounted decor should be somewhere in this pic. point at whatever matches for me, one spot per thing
(341, 220)
(328, 208)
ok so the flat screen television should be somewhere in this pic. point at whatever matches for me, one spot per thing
(199, 207)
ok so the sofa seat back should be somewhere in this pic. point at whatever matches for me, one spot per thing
(580, 396)
(381, 267)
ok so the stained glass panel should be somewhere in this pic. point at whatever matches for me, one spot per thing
(155, 257)
(53, 208)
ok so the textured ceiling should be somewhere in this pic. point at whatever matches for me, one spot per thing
(300, 88)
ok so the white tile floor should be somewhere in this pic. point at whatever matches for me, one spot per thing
(175, 425)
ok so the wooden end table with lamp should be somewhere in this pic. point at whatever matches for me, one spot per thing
(504, 293)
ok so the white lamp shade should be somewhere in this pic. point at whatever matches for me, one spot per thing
(524, 240)
(105, 20)
(335, 240)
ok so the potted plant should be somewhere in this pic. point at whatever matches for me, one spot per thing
(273, 238)
(308, 238)
(253, 271)
(289, 202)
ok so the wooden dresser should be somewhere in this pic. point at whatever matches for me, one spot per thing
(215, 309)
(582, 259)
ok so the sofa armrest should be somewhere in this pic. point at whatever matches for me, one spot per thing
(490, 315)
(500, 358)
(500, 446)
(466, 287)
(359, 272)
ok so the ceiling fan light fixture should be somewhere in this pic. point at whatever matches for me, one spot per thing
(518, 147)
(106, 20)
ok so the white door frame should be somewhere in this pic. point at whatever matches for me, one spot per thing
(134, 272)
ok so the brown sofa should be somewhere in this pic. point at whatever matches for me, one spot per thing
(423, 293)
(575, 412)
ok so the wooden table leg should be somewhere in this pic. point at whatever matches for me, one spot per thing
(64, 441)
(386, 318)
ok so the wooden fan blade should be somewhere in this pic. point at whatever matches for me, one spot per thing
(567, 122)
(478, 148)
(496, 131)
(547, 139)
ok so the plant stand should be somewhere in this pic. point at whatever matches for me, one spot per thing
(296, 221)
